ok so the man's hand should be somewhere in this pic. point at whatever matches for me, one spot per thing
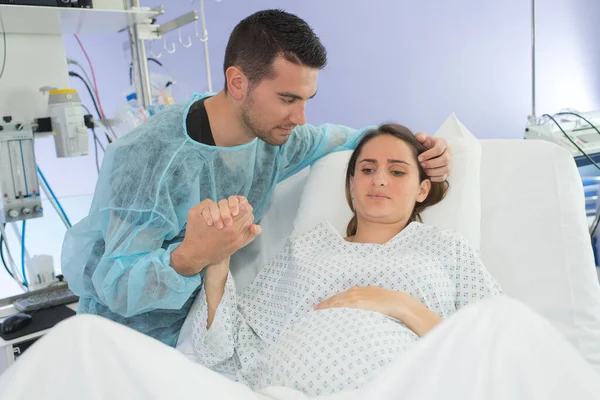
(221, 214)
(204, 245)
(436, 161)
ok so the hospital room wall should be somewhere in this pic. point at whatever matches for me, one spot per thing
(416, 62)
(410, 61)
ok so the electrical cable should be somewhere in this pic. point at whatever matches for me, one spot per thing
(96, 142)
(2, 255)
(594, 226)
(571, 140)
(87, 57)
(11, 261)
(89, 89)
(62, 211)
(596, 222)
(100, 143)
(91, 86)
(25, 282)
(3, 47)
(149, 59)
(579, 116)
(94, 132)
(83, 71)
(51, 200)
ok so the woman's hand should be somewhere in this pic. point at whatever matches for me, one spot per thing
(398, 305)
(371, 298)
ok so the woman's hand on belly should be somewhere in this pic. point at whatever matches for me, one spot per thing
(399, 305)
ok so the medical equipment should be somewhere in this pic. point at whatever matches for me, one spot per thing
(19, 186)
(577, 132)
(150, 32)
(55, 297)
(12, 349)
(581, 128)
(53, 3)
(70, 132)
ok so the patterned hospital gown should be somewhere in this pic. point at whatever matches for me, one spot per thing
(269, 335)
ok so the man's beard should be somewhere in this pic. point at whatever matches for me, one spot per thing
(251, 122)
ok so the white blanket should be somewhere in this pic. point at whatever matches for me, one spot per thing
(270, 334)
(494, 349)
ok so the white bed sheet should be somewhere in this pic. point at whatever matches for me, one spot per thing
(494, 349)
(534, 238)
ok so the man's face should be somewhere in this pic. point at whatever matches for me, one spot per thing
(275, 106)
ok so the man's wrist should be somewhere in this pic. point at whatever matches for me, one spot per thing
(183, 265)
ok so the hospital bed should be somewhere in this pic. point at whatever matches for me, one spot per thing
(520, 202)
(526, 213)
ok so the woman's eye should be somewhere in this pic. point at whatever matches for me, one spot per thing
(367, 170)
(286, 101)
(397, 173)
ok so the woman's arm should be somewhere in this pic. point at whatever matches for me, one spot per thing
(214, 285)
(399, 305)
(412, 313)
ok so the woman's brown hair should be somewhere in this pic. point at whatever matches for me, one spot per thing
(438, 189)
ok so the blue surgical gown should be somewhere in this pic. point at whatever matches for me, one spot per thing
(117, 258)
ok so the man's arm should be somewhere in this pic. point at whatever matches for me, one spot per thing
(308, 143)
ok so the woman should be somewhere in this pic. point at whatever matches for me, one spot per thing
(329, 312)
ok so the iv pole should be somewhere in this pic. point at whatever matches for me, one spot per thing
(532, 116)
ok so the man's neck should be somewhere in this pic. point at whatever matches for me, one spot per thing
(227, 128)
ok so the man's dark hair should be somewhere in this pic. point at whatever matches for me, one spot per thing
(257, 40)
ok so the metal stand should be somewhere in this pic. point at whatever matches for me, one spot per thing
(140, 62)
(138, 35)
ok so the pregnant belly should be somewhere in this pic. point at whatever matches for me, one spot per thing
(329, 351)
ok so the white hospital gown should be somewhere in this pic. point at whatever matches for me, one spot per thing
(270, 335)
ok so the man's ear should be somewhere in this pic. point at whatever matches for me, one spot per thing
(237, 83)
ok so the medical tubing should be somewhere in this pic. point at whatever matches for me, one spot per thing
(597, 218)
(579, 116)
(11, 261)
(2, 257)
(571, 140)
(3, 69)
(25, 281)
(62, 211)
(51, 200)
(87, 57)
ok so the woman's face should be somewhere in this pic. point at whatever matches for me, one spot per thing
(386, 183)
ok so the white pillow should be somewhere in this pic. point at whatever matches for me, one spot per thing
(324, 198)
(460, 211)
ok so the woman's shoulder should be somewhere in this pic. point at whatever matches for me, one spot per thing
(323, 231)
(436, 235)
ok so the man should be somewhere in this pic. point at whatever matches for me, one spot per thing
(154, 223)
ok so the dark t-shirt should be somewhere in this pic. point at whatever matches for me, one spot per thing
(197, 124)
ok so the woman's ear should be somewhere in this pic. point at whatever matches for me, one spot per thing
(425, 188)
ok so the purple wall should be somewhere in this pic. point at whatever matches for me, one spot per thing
(409, 61)
(406, 61)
